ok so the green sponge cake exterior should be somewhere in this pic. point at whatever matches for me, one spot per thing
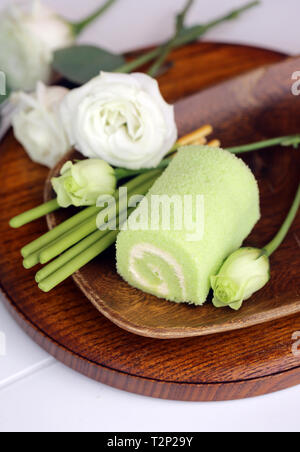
(172, 264)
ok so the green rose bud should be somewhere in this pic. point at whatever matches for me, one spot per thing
(82, 183)
(244, 272)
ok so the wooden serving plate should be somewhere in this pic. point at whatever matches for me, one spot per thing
(235, 364)
(252, 107)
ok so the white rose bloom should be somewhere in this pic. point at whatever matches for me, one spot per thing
(120, 118)
(28, 37)
(37, 126)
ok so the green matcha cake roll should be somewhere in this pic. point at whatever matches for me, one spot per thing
(196, 214)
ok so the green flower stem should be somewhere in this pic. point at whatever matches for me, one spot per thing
(71, 254)
(167, 48)
(137, 186)
(75, 258)
(123, 173)
(67, 256)
(189, 35)
(59, 246)
(78, 262)
(281, 235)
(34, 259)
(138, 62)
(67, 226)
(79, 27)
(31, 261)
(55, 233)
(164, 52)
(193, 33)
(292, 140)
(34, 214)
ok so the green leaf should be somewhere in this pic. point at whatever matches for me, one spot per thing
(80, 64)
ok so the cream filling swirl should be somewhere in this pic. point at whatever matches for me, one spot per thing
(139, 251)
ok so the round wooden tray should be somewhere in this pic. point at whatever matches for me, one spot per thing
(233, 365)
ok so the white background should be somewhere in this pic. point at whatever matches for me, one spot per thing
(39, 394)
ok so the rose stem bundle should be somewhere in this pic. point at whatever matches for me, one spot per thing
(78, 262)
(188, 35)
(70, 224)
(58, 231)
(138, 186)
(78, 227)
(68, 256)
(58, 269)
(89, 247)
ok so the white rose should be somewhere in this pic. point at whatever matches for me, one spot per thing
(37, 126)
(28, 37)
(120, 118)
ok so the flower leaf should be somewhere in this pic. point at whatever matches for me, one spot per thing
(80, 64)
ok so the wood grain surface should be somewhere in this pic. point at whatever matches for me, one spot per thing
(227, 366)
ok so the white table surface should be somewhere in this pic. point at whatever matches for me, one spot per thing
(39, 394)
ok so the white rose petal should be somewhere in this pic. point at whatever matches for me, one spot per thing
(37, 126)
(28, 37)
(120, 118)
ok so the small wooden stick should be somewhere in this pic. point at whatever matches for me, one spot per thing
(199, 142)
(214, 143)
(195, 136)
